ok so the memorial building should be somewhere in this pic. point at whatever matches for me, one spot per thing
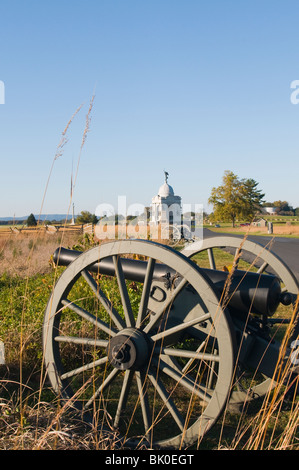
(166, 206)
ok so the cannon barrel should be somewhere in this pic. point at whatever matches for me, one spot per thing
(248, 291)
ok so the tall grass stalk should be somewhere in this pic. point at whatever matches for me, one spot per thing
(58, 154)
(59, 151)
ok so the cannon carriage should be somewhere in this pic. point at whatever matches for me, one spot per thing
(151, 344)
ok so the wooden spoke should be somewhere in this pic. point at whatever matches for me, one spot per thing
(130, 321)
(88, 316)
(115, 317)
(145, 292)
(167, 400)
(123, 396)
(108, 381)
(85, 368)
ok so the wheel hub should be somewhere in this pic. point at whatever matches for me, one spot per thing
(129, 349)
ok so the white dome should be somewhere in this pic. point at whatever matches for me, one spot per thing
(165, 190)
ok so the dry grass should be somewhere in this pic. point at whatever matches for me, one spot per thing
(26, 420)
(26, 255)
(277, 230)
(43, 427)
(31, 417)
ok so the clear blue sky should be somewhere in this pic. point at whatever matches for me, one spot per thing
(195, 87)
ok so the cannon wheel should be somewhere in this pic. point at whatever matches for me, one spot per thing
(142, 375)
(263, 261)
(173, 234)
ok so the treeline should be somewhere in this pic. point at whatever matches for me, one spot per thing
(32, 221)
(12, 222)
(282, 208)
(241, 199)
(235, 199)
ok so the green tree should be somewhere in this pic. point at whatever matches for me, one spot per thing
(235, 198)
(252, 198)
(31, 221)
(86, 218)
(283, 206)
(226, 199)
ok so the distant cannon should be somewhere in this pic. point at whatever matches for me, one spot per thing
(146, 342)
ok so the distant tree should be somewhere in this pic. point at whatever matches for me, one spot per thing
(252, 198)
(268, 204)
(226, 199)
(31, 221)
(86, 218)
(235, 198)
(283, 207)
(296, 211)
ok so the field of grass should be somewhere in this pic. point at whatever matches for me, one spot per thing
(31, 416)
(283, 226)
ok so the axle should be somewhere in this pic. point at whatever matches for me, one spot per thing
(258, 293)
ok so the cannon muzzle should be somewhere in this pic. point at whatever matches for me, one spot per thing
(247, 291)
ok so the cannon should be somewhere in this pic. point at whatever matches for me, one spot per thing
(151, 344)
